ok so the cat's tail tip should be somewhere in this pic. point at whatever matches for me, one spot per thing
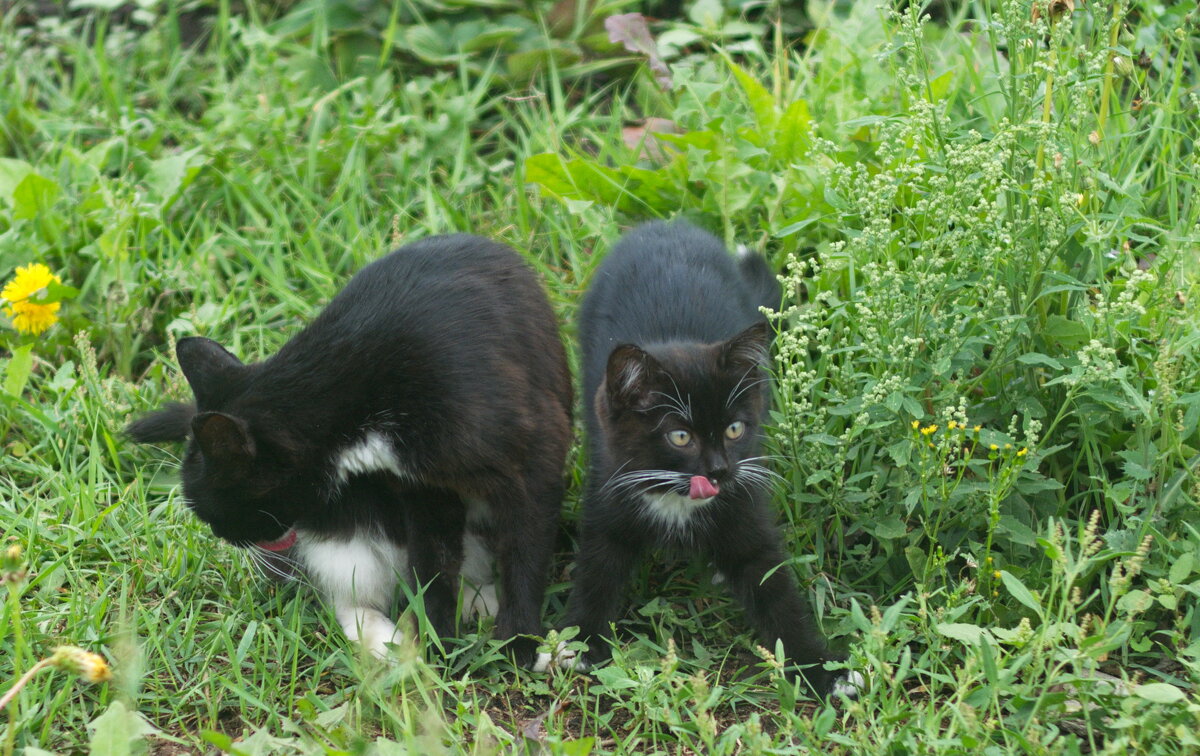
(171, 423)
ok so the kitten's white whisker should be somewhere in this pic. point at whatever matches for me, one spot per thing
(742, 388)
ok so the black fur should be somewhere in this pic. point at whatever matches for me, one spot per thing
(448, 348)
(670, 325)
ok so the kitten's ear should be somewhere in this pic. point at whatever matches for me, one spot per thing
(628, 377)
(206, 364)
(222, 438)
(749, 349)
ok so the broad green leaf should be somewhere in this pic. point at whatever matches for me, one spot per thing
(1181, 569)
(793, 137)
(16, 372)
(12, 173)
(761, 100)
(1159, 693)
(961, 631)
(168, 177)
(34, 194)
(1037, 358)
(1020, 592)
(119, 732)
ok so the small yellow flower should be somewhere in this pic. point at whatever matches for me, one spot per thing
(976, 428)
(916, 424)
(928, 430)
(89, 666)
(1022, 453)
(27, 284)
(993, 447)
(996, 574)
(951, 425)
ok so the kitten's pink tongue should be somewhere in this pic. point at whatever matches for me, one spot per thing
(702, 488)
(284, 543)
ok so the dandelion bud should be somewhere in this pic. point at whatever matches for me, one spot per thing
(1123, 65)
(91, 667)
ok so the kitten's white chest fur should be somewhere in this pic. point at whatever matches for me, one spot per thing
(673, 511)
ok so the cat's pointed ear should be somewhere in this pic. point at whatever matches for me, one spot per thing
(222, 438)
(207, 366)
(749, 349)
(628, 377)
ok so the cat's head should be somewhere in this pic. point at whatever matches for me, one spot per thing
(242, 473)
(686, 418)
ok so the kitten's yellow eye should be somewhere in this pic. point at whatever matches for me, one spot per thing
(735, 430)
(679, 438)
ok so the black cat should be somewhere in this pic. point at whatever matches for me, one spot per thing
(675, 352)
(416, 427)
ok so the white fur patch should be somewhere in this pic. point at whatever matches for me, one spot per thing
(479, 581)
(372, 453)
(849, 684)
(369, 628)
(358, 576)
(672, 510)
(562, 658)
(743, 251)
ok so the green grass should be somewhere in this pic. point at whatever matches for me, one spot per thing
(952, 252)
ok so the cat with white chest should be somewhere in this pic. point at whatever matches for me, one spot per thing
(415, 430)
(675, 355)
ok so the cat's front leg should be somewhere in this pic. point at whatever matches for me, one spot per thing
(435, 522)
(358, 576)
(369, 628)
(748, 554)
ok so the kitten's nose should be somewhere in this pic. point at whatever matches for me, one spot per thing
(718, 474)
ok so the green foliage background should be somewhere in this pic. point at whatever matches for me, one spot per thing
(988, 392)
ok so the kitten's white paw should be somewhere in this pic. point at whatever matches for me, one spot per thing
(370, 629)
(562, 658)
(849, 684)
(480, 602)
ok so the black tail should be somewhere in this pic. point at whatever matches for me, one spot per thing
(764, 286)
(171, 423)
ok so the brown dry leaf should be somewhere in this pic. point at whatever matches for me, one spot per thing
(1054, 8)
(534, 729)
(640, 136)
(630, 30)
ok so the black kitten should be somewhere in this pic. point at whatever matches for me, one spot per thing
(674, 355)
(417, 426)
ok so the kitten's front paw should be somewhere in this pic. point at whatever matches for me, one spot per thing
(480, 602)
(562, 658)
(370, 629)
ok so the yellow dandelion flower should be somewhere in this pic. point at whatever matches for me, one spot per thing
(89, 666)
(27, 284)
(928, 430)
